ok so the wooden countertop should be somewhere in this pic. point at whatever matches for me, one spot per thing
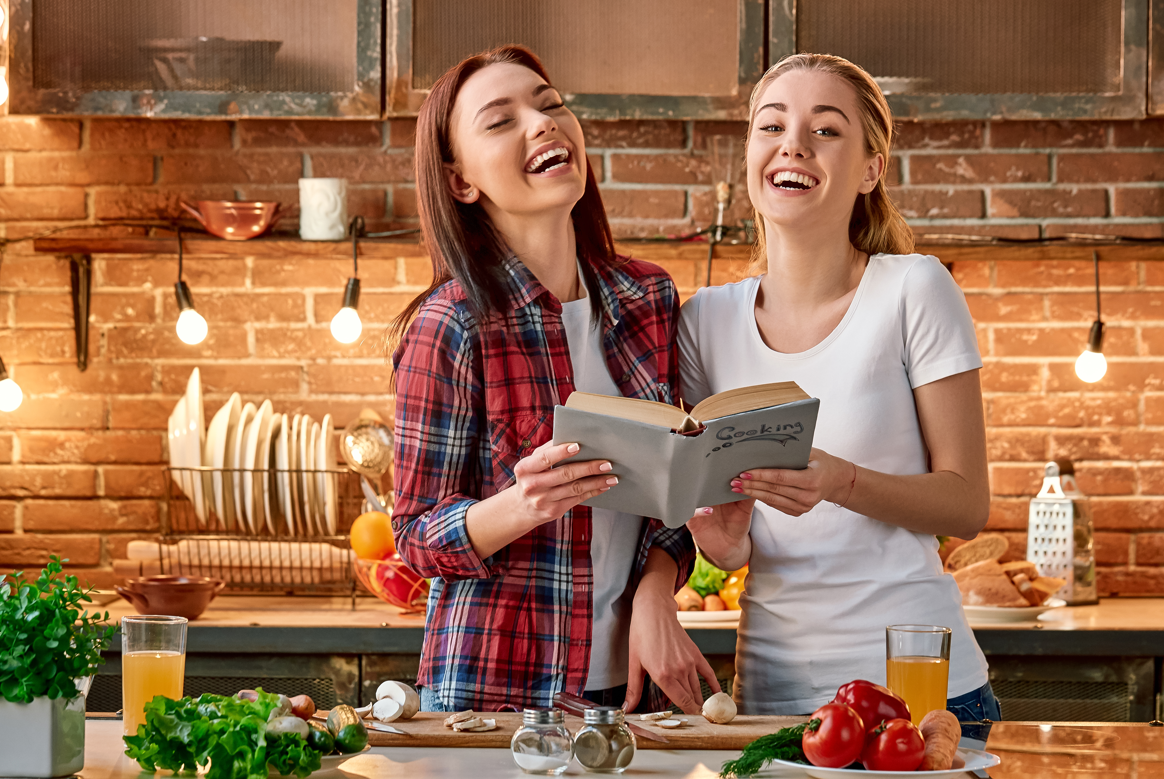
(1027, 750)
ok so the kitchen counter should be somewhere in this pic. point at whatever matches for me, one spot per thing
(1028, 751)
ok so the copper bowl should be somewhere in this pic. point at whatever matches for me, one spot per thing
(234, 220)
(177, 596)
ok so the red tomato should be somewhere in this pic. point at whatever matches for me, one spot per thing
(873, 702)
(834, 736)
(896, 745)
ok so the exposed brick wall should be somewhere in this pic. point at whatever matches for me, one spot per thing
(81, 461)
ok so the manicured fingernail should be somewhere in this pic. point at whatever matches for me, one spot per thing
(708, 510)
(604, 489)
(737, 489)
(606, 467)
(745, 475)
(737, 483)
(612, 480)
(573, 448)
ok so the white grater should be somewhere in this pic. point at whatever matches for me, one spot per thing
(1059, 535)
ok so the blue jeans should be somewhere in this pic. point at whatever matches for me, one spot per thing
(429, 700)
(976, 706)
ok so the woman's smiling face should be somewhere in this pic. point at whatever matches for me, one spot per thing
(807, 160)
(518, 149)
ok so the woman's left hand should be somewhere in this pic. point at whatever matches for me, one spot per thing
(797, 492)
(659, 646)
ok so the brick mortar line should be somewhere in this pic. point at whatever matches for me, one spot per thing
(1097, 150)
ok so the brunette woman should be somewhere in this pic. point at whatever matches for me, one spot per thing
(532, 593)
(884, 338)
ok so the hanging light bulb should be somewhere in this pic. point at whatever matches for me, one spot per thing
(1092, 365)
(11, 396)
(191, 326)
(346, 325)
(3, 85)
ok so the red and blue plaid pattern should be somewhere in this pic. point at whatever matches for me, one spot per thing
(471, 400)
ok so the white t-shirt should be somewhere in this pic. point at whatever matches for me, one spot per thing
(615, 536)
(823, 586)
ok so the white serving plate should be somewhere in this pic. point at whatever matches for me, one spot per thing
(237, 457)
(265, 462)
(325, 482)
(975, 761)
(218, 437)
(195, 444)
(293, 480)
(176, 426)
(252, 482)
(282, 477)
(1010, 614)
(306, 482)
(728, 617)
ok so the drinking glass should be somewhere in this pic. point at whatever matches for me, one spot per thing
(917, 666)
(153, 662)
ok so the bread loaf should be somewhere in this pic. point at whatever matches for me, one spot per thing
(988, 546)
(1025, 567)
(986, 584)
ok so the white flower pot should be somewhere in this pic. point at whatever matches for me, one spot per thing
(42, 739)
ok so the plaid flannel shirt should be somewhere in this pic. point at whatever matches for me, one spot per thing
(471, 400)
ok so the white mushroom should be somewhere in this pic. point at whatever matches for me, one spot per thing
(386, 710)
(655, 716)
(288, 725)
(486, 724)
(671, 723)
(403, 694)
(364, 712)
(719, 708)
(469, 724)
(460, 716)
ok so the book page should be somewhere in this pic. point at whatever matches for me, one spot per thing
(736, 401)
(647, 411)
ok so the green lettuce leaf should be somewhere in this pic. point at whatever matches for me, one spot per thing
(706, 579)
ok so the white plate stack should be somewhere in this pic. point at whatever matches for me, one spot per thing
(269, 473)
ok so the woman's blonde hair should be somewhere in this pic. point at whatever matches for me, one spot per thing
(876, 226)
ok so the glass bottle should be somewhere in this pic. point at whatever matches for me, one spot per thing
(604, 744)
(542, 744)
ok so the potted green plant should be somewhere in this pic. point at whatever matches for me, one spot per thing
(49, 647)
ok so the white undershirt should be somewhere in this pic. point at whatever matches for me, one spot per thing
(615, 536)
(823, 586)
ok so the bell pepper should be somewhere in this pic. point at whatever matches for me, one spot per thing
(733, 588)
(872, 702)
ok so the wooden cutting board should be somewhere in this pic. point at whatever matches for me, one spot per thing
(427, 729)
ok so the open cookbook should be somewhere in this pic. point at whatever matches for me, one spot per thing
(670, 462)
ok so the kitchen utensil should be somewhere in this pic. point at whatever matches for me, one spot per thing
(233, 220)
(722, 618)
(293, 465)
(221, 432)
(366, 446)
(237, 457)
(975, 761)
(577, 705)
(209, 64)
(1060, 534)
(196, 444)
(313, 487)
(252, 481)
(181, 596)
(265, 465)
(374, 500)
(368, 723)
(282, 475)
(325, 484)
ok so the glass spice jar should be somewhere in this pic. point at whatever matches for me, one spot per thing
(542, 744)
(604, 744)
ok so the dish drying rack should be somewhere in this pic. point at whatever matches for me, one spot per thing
(273, 559)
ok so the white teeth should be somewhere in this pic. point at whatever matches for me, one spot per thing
(786, 176)
(561, 151)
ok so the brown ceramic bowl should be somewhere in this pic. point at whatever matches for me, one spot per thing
(177, 596)
(234, 220)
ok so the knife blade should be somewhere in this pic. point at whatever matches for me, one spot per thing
(577, 705)
(369, 724)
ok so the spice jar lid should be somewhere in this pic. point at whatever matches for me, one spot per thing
(603, 715)
(542, 717)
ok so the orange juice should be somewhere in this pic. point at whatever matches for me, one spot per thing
(921, 681)
(144, 675)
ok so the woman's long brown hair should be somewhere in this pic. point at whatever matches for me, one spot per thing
(461, 241)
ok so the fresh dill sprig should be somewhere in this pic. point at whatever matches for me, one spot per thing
(784, 744)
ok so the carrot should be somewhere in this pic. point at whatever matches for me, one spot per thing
(941, 731)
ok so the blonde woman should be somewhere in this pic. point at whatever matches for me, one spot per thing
(884, 338)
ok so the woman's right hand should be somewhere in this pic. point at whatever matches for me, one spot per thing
(721, 532)
(544, 493)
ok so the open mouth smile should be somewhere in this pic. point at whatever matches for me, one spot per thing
(553, 159)
(792, 181)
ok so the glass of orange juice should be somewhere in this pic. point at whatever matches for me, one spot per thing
(917, 666)
(153, 662)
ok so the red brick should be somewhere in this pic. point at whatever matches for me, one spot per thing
(938, 203)
(32, 133)
(284, 134)
(1017, 550)
(1108, 445)
(892, 175)
(1015, 445)
(705, 130)
(1015, 478)
(687, 274)
(240, 168)
(1005, 376)
(1106, 479)
(595, 162)
(1146, 133)
(304, 273)
(1127, 513)
(1114, 167)
(404, 202)
(1136, 581)
(1138, 201)
(402, 133)
(1153, 410)
(99, 379)
(6, 440)
(1149, 549)
(978, 168)
(18, 481)
(635, 134)
(1151, 479)
(1062, 411)
(56, 516)
(295, 343)
(57, 308)
(163, 272)
(330, 378)
(97, 446)
(1112, 548)
(243, 377)
(364, 167)
(27, 345)
(83, 169)
(927, 234)
(375, 307)
(1004, 307)
(57, 413)
(153, 203)
(1008, 514)
(34, 550)
(24, 204)
(1154, 274)
(8, 516)
(704, 208)
(644, 203)
(226, 308)
(157, 135)
(417, 271)
(1117, 306)
(1065, 273)
(1057, 202)
(1060, 341)
(1123, 229)
(222, 342)
(134, 481)
(938, 135)
(971, 274)
(665, 168)
(140, 413)
(1046, 135)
